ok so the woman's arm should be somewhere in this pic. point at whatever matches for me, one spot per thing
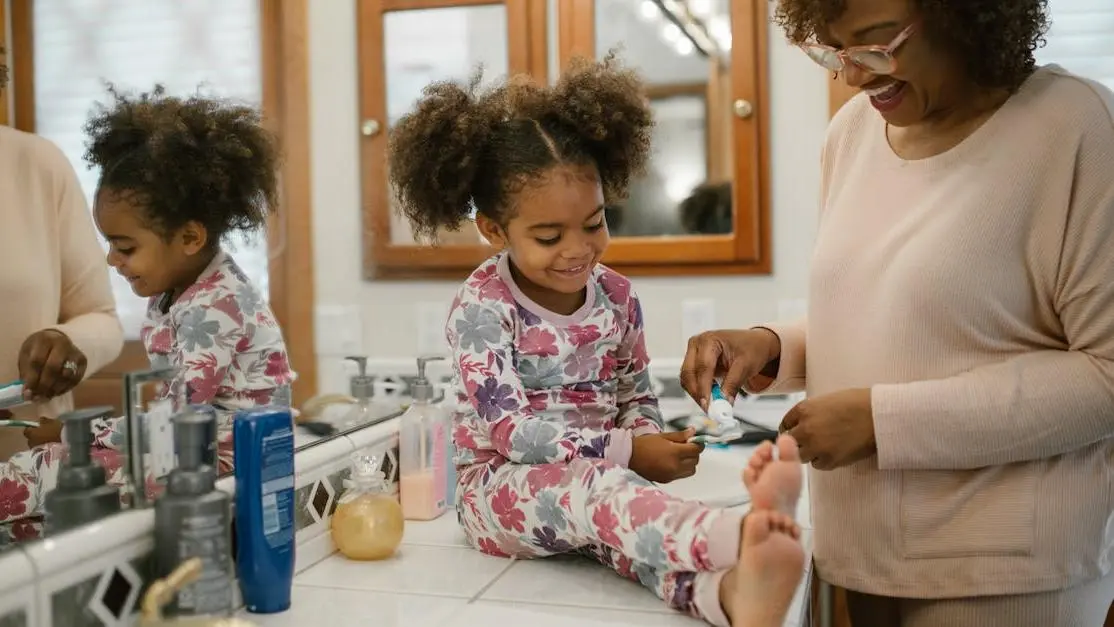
(482, 342)
(87, 312)
(1037, 405)
(638, 407)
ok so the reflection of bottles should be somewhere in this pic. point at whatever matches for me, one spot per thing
(361, 389)
(368, 523)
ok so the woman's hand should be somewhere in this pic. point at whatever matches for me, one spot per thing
(49, 365)
(49, 430)
(833, 430)
(665, 457)
(736, 357)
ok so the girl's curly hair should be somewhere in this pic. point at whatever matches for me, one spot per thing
(994, 39)
(190, 159)
(462, 148)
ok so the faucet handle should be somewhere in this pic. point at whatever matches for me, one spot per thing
(361, 363)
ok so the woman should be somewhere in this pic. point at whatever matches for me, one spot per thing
(959, 349)
(59, 317)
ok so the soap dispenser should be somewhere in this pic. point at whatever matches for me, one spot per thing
(368, 522)
(361, 388)
(423, 452)
(194, 519)
(81, 495)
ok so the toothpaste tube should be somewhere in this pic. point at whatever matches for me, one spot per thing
(721, 426)
(11, 394)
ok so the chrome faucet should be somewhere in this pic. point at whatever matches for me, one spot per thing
(135, 484)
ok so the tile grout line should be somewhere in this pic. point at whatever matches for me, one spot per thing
(493, 581)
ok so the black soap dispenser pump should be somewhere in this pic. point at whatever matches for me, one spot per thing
(194, 519)
(82, 494)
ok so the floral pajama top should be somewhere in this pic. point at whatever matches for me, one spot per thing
(229, 353)
(535, 387)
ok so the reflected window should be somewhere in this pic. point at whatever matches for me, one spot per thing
(134, 44)
(428, 45)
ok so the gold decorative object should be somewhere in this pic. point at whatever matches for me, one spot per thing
(162, 591)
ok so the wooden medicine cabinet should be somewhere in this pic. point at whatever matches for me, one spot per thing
(703, 206)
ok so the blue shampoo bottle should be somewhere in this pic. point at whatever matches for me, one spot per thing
(263, 440)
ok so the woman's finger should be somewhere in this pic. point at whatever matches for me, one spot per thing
(32, 357)
(52, 376)
(699, 367)
(791, 419)
(72, 371)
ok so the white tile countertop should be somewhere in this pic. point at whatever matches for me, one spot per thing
(436, 579)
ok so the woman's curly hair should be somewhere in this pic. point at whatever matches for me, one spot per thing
(463, 149)
(994, 39)
(186, 159)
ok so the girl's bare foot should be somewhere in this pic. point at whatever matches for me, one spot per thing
(759, 590)
(775, 483)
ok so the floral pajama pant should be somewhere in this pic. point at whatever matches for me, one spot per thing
(677, 548)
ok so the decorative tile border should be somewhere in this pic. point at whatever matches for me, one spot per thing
(315, 502)
(109, 598)
(392, 378)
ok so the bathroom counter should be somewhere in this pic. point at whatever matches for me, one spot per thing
(436, 579)
(381, 410)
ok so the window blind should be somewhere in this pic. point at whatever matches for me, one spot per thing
(213, 45)
(1081, 38)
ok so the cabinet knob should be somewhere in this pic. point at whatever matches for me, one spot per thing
(369, 128)
(743, 109)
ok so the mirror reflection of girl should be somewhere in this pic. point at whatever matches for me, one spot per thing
(178, 176)
(558, 432)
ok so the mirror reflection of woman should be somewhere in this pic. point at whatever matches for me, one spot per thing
(58, 318)
(958, 351)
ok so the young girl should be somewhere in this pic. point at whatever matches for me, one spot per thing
(179, 175)
(558, 432)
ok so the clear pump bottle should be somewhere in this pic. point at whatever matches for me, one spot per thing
(424, 461)
(361, 387)
(368, 523)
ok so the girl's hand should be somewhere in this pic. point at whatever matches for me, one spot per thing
(833, 430)
(49, 430)
(665, 457)
(736, 357)
(49, 365)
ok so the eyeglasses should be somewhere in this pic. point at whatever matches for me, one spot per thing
(873, 59)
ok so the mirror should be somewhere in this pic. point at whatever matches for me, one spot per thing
(426, 45)
(682, 51)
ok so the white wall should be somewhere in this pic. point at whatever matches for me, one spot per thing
(390, 321)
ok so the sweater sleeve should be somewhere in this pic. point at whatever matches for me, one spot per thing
(1039, 404)
(791, 365)
(87, 313)
(638, 407)
(482, 342)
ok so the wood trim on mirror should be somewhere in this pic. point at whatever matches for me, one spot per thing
(746, 251)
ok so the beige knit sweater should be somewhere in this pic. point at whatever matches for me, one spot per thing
(52, 269)
(974, 293)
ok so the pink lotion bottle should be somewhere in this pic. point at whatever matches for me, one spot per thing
(423, 451)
